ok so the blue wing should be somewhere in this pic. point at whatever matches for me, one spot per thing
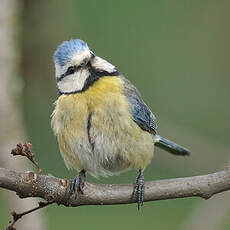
(141, 113)
(143, 116)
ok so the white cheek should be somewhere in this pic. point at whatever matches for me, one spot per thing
(74, 82)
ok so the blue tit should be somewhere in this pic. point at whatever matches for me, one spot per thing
(102, 124)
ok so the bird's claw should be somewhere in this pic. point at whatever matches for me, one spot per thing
(78, 182)
(139, 188)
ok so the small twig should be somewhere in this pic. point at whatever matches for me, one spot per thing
(25, 150)
(17, 216)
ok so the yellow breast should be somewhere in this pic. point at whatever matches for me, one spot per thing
(118, 142)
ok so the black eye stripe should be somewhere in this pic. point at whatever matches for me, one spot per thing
(70, 70)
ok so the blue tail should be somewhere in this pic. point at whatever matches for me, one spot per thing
(170, 146)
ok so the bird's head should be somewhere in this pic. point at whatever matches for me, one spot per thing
(77, 67)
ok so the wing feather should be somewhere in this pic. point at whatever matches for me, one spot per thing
(141, 113)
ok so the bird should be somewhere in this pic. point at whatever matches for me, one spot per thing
(102, 124)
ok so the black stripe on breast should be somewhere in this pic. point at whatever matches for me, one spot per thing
(88, 130)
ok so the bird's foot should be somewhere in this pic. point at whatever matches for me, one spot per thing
(78, 182)
(139, 188)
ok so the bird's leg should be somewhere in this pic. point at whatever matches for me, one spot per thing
(139, 188)
(78, 182)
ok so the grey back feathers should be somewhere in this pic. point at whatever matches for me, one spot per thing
(141, 113)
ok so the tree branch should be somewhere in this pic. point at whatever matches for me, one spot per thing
(50, 188)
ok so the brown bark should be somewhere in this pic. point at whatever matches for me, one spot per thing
(29, 184)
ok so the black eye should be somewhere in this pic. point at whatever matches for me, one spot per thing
(84, 63)
(81, 65)
(70, 70)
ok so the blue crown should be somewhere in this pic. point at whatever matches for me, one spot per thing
(67, 50)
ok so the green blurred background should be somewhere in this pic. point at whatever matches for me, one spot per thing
(177, 54)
